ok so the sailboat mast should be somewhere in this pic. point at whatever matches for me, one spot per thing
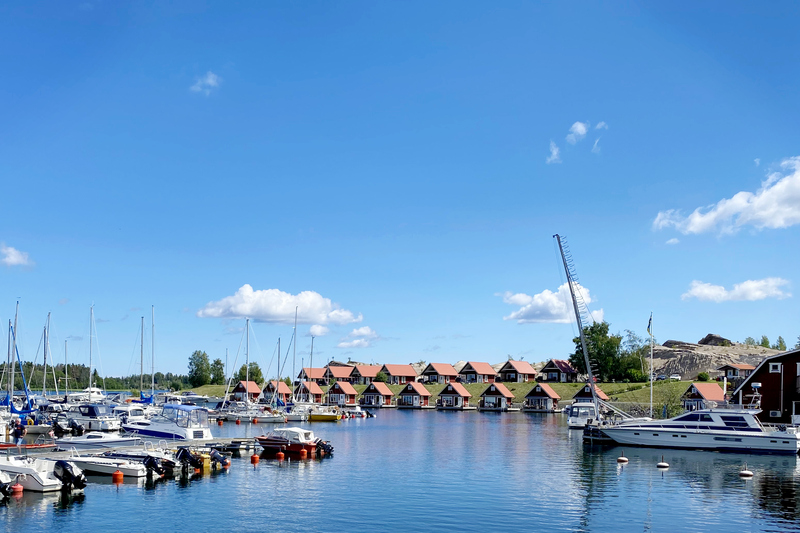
(46, 341)
(247, 360)
(141, 360)
(13, 334)
(294, 345)
(311, 362)
(650, 331)
(9, 366)
(66, 373)
(586, 360)
(153, 352)
(91, 322)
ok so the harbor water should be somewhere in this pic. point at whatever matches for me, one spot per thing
(440, 471)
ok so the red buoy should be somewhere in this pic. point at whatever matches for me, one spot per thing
(254, 459)
(279, 456)
(16, 488)
(255, 420)
(303, 453)
(219, 421)
(116, 477)
(238, 422)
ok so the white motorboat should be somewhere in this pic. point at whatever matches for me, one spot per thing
(129, 412)
(97, 441)
(580, 414)
(718, 429)
(106, 466)
(43, 475)
(94, 417)
(176, 422)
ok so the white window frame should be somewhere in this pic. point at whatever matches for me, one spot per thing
(775, 368)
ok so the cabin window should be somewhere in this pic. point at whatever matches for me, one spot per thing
(734, 421)
(689, 418)
(774, 368)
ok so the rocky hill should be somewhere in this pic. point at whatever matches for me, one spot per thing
(711, 352)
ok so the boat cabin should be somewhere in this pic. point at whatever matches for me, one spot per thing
(399, 374)
(774, 386)
(542, 397)
(281, 396)
(517, 372)
(246, 391)
(584, 394)
(365, 374)
(496, 396)
(454, 396)
(342, 393)
(441, 373)
(414, 395)
(702, 396)
(558, 371)
(476, 372)
(377, 394)
(309, 392)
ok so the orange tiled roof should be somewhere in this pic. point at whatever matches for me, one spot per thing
(382, 388)
(459, 389)
(345, 387)
(499, 387)
(710, 391)
(443, 369)
(368, 371)
(484, 369)
(400, 370)
(339, 372)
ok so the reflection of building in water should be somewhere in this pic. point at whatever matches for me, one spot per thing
(778, 495)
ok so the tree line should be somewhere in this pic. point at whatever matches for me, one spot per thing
(79, 378)
(779, 344)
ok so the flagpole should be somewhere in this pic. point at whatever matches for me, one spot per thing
(650, 331)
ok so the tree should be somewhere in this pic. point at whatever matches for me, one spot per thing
(199, 369)
(764, 341)
(383, 378)
(780, 344)
(750, 341)
(218, 372)
(703, 376)
(604, 352)
(255, 373)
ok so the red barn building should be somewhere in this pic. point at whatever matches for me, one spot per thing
(377, 394)
(517, 372)
(414, 396)
(342, 393)
(308, 391)
(542, 398)
(779, 376)
(475, 372)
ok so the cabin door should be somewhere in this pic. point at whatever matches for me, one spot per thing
(416, 400)
(796, 408)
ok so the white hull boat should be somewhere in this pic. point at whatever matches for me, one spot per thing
(42, 475)
(97, 441)
(580, 414)
(107, 466)
(94, 417)
(708, 429)
(176, 422)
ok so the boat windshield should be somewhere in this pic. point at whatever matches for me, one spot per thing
(186, 418)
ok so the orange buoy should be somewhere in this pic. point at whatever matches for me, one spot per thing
(254, 459)
(238, 422)
(279, 456)
(219, 421)
(197, 470)
(303, 453)
(255, 420)
(116, 477)
(16, 488)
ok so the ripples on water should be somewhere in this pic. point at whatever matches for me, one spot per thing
(440, 471)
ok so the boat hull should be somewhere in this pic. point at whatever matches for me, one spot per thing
(770, 442)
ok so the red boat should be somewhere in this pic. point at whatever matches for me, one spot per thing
(293, 440)
(40, 446)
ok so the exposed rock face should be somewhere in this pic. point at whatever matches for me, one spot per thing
(714, 340)
(688, 359)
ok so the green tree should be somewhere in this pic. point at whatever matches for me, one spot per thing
(780, 344)
(199, 369)
(217, 372)
(255, 373)
(750, 341)
(383, 378)
(604, 352)
(703, 376)
(764, 341)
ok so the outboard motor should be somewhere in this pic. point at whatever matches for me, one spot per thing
(325, 447)
(187, 458)
(153, 465)
(218, 460)
(70, 475)
(5, 490)
(77, 429)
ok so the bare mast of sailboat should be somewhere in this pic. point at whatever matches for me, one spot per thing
(587, 362)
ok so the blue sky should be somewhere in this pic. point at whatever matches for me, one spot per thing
(396, 170)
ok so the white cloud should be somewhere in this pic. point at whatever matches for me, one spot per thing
(577, 132)
(554, 157)
(595, 148)
(13, 257)
(276, 306)
(750, 290)
(757, 161)
(318, 331)
(206, 84)
(359, 338)
(547, 306)
(775, 205)
(601, 126)
(673, 241)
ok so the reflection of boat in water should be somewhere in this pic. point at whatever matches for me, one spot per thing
(293, 440)
(178, 422)
(716, 429)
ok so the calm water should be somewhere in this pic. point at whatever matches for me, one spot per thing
(442, 471)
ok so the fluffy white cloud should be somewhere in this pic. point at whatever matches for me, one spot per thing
(554, 154)
(601, 126)
(673, 241)
(775, 205)
(206, 84)
(318, 331)
(577, 132)
(547, 306)
(750, 290)
(13, 257)
(595, 147)
(359, 338)
(276, 306)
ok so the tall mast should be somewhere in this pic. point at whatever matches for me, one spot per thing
(294, 344)
(247, 361)
(9, 366)
(153, 351)
(650, 331)
(141, 361)
(587, 362)
(66, 373)
(91, 322)
(46, 341)
(13, 334)
(311, 362)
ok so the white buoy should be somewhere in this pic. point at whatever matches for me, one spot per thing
(744, 472)
(622, 458)
(662, 464)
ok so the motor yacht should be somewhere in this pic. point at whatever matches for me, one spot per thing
(94, 416)
(176, 422)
